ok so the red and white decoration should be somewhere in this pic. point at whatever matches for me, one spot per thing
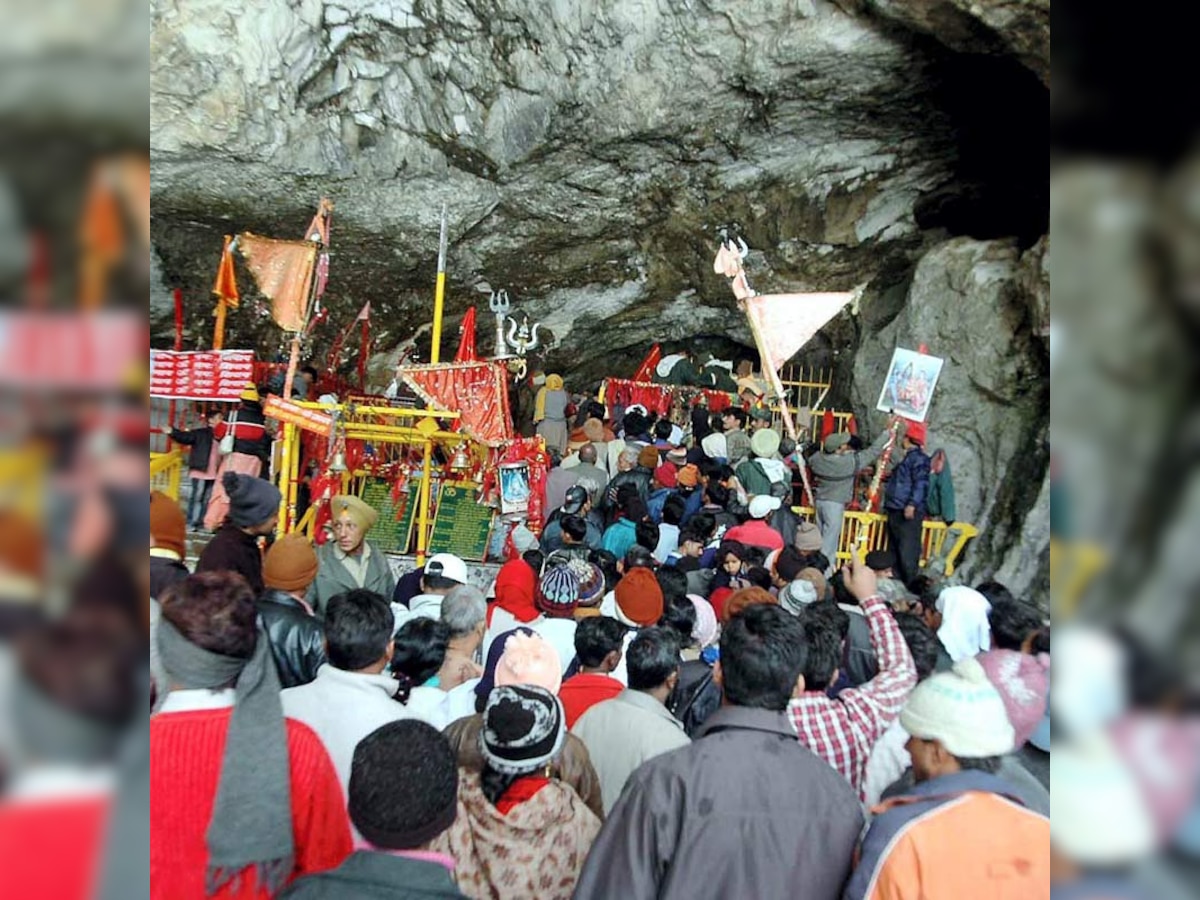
(200, 374)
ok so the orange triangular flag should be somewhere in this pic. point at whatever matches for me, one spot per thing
(225, 287)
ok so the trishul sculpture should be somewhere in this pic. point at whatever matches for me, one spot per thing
(499, 305)
(522, 337)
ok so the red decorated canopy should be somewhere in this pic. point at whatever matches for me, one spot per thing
(476, 390)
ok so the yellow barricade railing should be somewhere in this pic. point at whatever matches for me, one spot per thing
(166, 469)
(933, 536)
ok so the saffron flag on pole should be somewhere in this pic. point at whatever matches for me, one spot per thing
(787, 322)
(283, 271)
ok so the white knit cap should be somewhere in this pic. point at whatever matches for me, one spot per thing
(1099, 817)
(962, 710)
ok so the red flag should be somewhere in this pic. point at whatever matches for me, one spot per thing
(364, 348)
(466, 343)
(851, 425)
(645, 372)
(828, 424)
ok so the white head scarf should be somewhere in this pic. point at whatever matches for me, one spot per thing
(965, 630)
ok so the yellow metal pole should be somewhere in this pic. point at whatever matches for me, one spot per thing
(294, 478)
(423, 509)
(439, 295)
(285, 455)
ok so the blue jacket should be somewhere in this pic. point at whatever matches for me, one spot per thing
(619, 537)
(655, 503)
(909, 482)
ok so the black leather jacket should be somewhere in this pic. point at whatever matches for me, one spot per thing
(297, 639)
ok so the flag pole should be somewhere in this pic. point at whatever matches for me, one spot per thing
(439, 297)
(439, 294)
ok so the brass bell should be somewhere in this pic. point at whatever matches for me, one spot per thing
(338, 464)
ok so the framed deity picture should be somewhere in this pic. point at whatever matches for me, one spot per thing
(908, 387)
(514, 488)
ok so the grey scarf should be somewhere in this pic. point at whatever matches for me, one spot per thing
(251, 822)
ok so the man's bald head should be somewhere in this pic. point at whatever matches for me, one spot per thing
(587, 454)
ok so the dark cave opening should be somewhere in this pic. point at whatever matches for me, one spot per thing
(999, 110)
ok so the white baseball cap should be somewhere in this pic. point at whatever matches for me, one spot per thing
(447, 565)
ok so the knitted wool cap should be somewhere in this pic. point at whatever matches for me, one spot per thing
(648, 457)
(666, 475)
(835, 441)
(808, 537)
(796, 595)
(1022, 681)
(743, 598)
(591, 581)
(688, 476)
(290, 564)
(403, 787)
(558, 592)
(962, 710)
(523, 729)
(880, 560)
(764, 442)
(1100, 816)
(251, 500)
(678, 455)
(168, 525)
(816, 579)
(529, 659)
(639, 598)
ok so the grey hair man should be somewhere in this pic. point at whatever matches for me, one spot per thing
(464, 609)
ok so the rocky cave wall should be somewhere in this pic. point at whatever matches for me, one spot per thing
(587, 151)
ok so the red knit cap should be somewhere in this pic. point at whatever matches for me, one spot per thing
(666, 475)
(743, 598)
(639, 597)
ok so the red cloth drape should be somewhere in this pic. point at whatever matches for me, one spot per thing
(477, 390)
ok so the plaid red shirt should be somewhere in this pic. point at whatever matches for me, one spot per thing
(843, 731)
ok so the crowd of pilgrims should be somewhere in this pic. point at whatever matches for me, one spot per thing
(672, 691)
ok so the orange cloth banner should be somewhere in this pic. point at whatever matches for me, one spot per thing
(283, 271)
(786, 322)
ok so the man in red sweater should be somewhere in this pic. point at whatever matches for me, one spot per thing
(755, 532)
(241, 800)
(598, 643)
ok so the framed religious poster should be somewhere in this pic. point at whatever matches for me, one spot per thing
(514, 488)
(908, 388)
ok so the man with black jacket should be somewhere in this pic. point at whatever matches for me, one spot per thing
(202, 463)
(295, 634)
